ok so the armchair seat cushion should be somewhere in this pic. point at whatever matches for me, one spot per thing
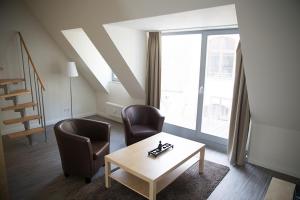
(99, 147)
(142, 131)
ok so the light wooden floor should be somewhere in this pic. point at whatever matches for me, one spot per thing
(35, 171)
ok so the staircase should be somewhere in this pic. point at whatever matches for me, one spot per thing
(30, 85)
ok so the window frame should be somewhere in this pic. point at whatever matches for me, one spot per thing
(216, 142)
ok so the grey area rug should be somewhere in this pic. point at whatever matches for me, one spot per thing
(189, 186)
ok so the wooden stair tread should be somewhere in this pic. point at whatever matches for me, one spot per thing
(22, 119)
(15, 93)
(19, 106)
(10, 81)
(26, 132)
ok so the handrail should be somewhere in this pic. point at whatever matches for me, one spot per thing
(36, 84)
(29, 57)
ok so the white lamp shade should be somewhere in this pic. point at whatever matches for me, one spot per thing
(72, 71)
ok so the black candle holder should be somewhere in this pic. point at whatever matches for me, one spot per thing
(160, 149)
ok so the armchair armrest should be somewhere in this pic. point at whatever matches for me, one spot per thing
(158, 119)
(126, 121)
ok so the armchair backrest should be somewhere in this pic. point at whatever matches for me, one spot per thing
(142, 115)
(75, 150)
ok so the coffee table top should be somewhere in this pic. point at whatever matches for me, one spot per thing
(135, 159)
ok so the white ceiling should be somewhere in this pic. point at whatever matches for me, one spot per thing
(221, 16)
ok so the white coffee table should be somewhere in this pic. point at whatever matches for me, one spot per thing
(148, 175)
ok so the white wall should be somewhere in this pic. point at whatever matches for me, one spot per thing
(118, 95)
(50, 62)
(275, 148)
(270, 39)
(132, 45)
(90, 55)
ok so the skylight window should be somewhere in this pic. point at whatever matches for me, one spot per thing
(89, 54)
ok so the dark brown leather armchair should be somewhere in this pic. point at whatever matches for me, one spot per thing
(82, 146)
(141, 122)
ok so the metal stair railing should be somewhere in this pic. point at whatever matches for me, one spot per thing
(35, 82)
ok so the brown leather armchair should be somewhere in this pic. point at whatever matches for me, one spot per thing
(82, 146)
(141, 122)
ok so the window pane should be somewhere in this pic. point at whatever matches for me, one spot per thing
(213, 61)
(227, 65)
(114, 77)
(219, 80)
(180, 79)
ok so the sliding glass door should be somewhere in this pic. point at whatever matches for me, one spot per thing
(197, 83)
(218, 84)
(180, 79)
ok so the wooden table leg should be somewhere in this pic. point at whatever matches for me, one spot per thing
(201, 161)
(152, 191)
(107, 173)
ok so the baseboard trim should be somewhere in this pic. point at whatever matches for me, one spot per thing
(54, 121)
(104, 115)
(276, 169)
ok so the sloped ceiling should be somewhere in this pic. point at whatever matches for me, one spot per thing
(90, 56)
(130, 36)
(132, 45)
(270, 36)
(114, 59)
(270, 52)
(90, 15)
(196, 19)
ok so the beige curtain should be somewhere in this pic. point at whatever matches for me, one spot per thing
(240, 115)
(154, 70)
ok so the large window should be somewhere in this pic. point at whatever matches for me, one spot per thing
(197, 80)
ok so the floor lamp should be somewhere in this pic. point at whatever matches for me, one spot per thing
(72, 72)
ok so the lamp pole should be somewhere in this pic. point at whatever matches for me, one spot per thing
(72, 72)
(71, 97)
